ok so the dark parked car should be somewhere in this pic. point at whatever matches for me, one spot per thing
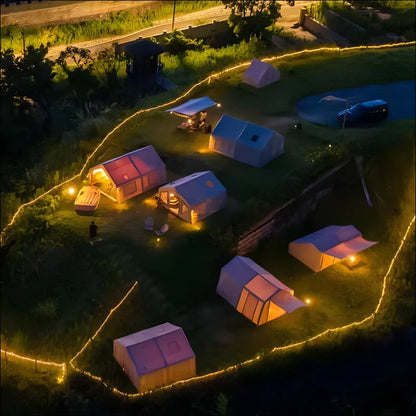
(366, 112)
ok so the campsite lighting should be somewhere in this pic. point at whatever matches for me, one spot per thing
(330, 145)
(219, 105)
(308, 301)
(353, 260)
(187, 93)
(232, 367)
(273, 350)
(158, 239)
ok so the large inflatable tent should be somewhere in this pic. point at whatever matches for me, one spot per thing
(246, 142)
(155, 356)
(259, 74)
(328, 245)
(130, 174)
(254, 292)
(193, 197)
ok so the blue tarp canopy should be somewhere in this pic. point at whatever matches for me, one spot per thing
(192, 107)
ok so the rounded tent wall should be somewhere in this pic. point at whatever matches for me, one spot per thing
(176, 204)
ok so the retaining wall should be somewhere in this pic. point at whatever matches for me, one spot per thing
(323, 31)
(293, 212)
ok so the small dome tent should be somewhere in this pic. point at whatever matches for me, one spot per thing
(193, 197)
(254, 292)
(328, 245)
(129, 175)
(246, 142)
(259, 74)
(155, 356)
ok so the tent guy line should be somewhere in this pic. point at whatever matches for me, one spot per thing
(184, 95)
(234, 367)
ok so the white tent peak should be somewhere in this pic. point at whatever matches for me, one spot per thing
(259, 74)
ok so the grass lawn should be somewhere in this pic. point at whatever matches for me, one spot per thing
(177, 276)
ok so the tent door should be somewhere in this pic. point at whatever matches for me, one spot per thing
(274, 311)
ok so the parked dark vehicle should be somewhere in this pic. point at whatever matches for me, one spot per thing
(366, 112)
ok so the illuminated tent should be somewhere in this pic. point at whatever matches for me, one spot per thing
(193, 197)
(194, 106)
(254, 292)
(259, 74)
(246, 142)
(129, 175)
(155, 356)
(328, 246)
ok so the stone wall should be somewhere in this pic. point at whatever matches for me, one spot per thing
(293, 212)
(323, 32)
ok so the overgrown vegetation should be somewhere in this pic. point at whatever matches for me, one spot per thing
(398, 18)
(119, 23)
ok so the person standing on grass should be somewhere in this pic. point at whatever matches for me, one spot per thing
(93, 230)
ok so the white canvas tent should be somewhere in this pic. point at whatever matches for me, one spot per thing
(155, 356)
(246, 142)
(254, 292)
(259, 74)
(193, 197)
(328, 245)
(130, 174)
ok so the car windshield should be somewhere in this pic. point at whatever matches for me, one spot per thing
(356, 110)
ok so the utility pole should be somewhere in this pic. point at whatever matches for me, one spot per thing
(173, 16)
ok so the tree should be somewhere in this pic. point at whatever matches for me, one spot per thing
(108, 64)
(251, 17)
(80, 78)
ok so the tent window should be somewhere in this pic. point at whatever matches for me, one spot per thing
(129, 188)
(254, 138)
(209, 184)
(164, 197)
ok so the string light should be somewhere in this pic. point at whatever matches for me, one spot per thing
(62, 366)
(187, 93)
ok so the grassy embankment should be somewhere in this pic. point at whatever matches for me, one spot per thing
(177, 278)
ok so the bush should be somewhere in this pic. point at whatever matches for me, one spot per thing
(177, 43)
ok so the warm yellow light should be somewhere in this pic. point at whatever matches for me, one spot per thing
(218, 105)
(99, 170)
(330, 145)
(71, 191)
(171, 195)
(158, 239)
(352, 259)
(189, 121)
(308, 301)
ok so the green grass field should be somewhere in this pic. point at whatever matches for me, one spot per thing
(60, 293)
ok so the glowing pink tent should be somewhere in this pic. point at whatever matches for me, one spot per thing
(155, 356)
(130, 174)
(259, 74)
(254, 292)
(328, 246)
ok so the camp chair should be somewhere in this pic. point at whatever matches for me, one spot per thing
(148, 223)
(163, 229)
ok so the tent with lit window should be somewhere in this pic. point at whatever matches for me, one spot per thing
(155, 356)
(193, 197)
(259, 74)
(129, 175)
(246, 142)
(328, 245)
(255, 292)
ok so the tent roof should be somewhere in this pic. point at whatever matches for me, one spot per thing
(244, 132)
(197, 187)
(132, 165)
(142, 47)
(287, 301)
(193, 106)
(157, 347)
(249, 274)
(257, 68)
(337, 240)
